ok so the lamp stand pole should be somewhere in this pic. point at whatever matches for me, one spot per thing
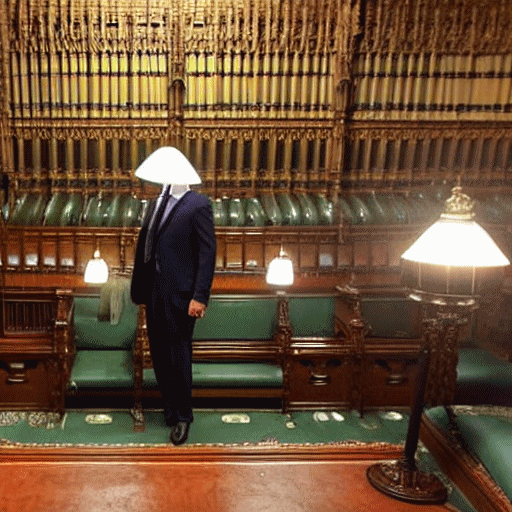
(401, 479)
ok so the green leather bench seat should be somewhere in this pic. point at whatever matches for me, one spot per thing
(104, 350)
(102, 369)
(482, 378)
(229, 375)
(114, 368)
(487, 437)
(231, 317)
(389, 317)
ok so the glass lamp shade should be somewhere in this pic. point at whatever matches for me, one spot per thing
(96, 271)
(168, 166)
(280, 271)
(444, 260)
(458, 243)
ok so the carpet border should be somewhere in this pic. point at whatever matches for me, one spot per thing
(257, 452)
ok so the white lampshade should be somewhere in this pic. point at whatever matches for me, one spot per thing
(280, 271)
(458, 243)
(96, 271)
(444, 260)
(168, 166)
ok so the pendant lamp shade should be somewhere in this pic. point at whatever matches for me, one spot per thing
(96, 271)
(280, 271)
(168, 166)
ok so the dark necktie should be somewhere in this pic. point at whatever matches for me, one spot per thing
(155, 222)
(166, 211)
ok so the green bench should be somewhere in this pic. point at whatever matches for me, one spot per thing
(483, 378)
(235, 349)
(105, 352)
(103, 348)
(477, 456)
(392, 333)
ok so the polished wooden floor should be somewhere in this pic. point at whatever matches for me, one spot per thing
(192, 480)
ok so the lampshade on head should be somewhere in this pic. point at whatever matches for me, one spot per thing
(444, 259)
(168, 166)
(280, 271)
(96, 271)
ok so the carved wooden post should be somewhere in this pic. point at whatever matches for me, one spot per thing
(282, 337)
(140, 343)
(63, 350)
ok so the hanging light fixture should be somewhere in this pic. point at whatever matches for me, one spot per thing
(280, 271)
(96, 271)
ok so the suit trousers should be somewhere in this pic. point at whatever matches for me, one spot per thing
(170, 332)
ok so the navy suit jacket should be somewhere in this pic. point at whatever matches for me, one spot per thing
(183, 251)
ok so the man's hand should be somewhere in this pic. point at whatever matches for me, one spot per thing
(196, 309)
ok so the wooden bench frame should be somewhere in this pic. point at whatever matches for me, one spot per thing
(36, 328)
(399, 354)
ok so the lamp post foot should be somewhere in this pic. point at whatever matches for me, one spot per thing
(399, 481)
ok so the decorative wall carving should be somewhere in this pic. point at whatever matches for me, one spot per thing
(439, 26)
(343, 75)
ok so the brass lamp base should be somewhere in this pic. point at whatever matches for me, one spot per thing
(398, 481)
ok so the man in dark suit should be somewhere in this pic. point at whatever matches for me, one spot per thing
(172, 275)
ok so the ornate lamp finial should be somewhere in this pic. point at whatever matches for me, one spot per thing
(458, 205)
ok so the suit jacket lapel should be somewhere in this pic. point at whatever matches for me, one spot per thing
(181, 201)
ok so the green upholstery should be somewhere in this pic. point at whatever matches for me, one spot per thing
(114, 368)
(487, 438)
(90, 333)
(308, 210)
(54, 209)
(254, 212)
(229, 375)
(290, 210)
(96, 211)
(103, 368)
(312, 316)
(233, 317)
(28, 210)
(482, 378)
(389, 317)
(104, 351)
(272, 210)
(72, 211)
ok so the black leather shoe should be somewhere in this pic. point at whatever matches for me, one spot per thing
(179, 433)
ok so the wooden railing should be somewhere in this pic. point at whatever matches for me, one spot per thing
(321, 249)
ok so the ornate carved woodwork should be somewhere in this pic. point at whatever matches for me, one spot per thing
(259, 95)
(442, 328)
(383, 368)
(36, 349)
(313, 249)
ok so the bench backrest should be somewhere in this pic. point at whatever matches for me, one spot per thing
(237, 317)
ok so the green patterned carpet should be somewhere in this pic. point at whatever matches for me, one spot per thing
(215, 426)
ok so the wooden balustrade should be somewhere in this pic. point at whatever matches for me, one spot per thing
(66, 250)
